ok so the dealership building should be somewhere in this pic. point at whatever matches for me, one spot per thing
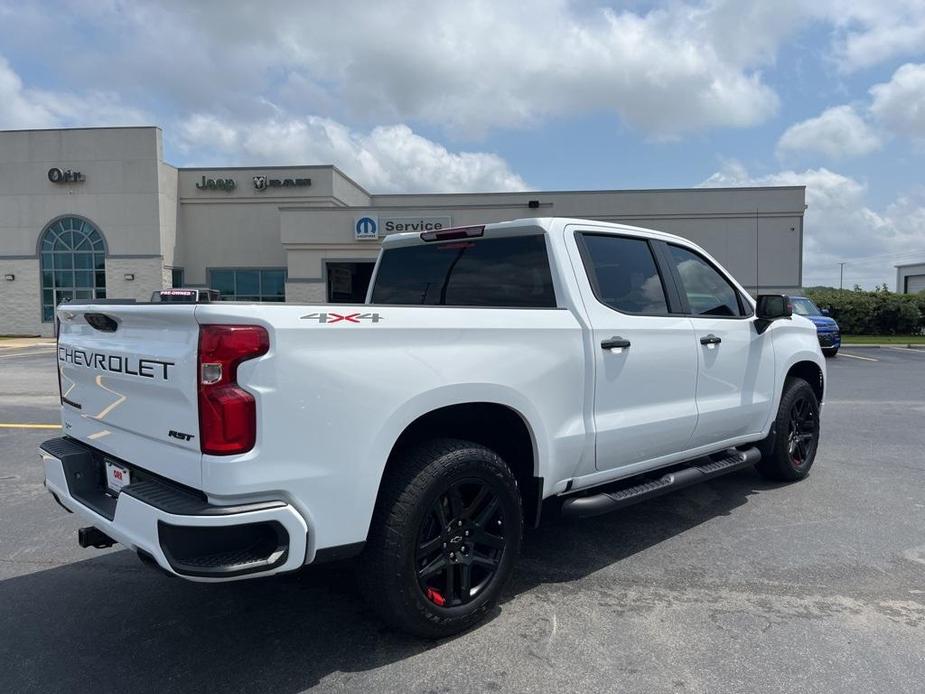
(98, 213)
(910, 278)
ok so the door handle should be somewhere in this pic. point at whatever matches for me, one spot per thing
(615, 343)
(710, 339)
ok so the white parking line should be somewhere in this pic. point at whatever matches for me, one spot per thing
(855, 356)
(907, 350)
(27, 354)
(7, 425)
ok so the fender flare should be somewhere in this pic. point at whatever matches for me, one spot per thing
(801, 356)
(461, 394)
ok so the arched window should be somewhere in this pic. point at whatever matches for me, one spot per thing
(73, 259)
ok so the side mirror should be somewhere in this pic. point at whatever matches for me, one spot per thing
(824, 311)
(772, 307)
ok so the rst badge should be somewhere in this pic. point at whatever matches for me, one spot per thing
(343, 317)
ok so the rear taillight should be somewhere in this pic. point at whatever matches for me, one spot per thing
(227, 412)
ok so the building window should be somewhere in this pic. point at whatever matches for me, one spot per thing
(249, 284)
(348, 282)
(176, 277)
(73, 263)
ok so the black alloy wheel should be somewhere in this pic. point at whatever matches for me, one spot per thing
(788, 453)
(444, 537)
(460, 543)
(802, 432)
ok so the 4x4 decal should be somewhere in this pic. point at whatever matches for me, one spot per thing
(347, 317)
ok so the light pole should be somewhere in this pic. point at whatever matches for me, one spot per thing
(841, 274)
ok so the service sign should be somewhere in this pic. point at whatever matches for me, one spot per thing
(374, 226)
(396, 225)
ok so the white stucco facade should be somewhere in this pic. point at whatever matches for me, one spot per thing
(289, 232)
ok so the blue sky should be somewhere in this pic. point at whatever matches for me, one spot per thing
(433, 96)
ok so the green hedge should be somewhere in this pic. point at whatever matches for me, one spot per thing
(880, 312)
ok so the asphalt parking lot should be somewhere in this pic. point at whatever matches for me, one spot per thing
(733, 586)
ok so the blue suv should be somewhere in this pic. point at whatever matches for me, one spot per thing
(826, 328)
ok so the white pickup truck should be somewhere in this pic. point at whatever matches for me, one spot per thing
(495, 372)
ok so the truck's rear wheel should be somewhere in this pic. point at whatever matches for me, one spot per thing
(444, 538)
(789, 452)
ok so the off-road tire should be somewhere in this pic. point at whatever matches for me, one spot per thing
(782, 460)
(415, 489)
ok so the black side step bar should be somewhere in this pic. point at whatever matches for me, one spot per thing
(700, 470)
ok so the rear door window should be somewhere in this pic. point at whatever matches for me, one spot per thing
(512, 271)
(623, 274)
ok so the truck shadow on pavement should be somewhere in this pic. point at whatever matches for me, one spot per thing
(111, 623)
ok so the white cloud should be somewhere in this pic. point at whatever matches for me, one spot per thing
(900, 103)
(838, 132)
(21, 107)
(468, 67)
(897, 106)
(387, 159)
(17, 109)
(870, 32)
(839, 225)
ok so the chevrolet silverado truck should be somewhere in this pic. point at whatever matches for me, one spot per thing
(494, 373)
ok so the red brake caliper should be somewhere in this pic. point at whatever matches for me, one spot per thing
(435, 597)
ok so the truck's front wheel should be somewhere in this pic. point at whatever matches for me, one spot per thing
(444, 538)
(788, 452)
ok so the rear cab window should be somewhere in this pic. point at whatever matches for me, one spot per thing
(511, 271)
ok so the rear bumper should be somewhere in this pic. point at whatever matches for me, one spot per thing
(182, 532)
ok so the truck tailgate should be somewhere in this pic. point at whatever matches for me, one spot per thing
(128, 384)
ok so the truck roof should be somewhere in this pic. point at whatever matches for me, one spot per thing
(546, 223)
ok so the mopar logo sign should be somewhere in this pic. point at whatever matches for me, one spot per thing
(366, 228)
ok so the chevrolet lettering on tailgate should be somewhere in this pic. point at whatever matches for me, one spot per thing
(113, 363)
